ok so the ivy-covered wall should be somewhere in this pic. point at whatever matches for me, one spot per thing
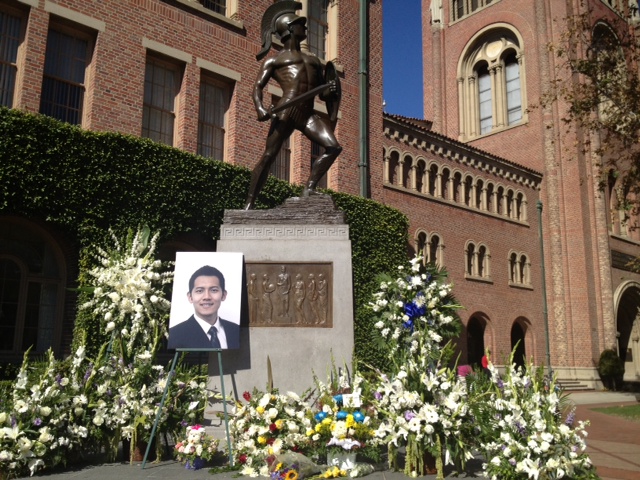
(82, 183)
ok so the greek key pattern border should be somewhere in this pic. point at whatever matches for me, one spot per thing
(248, 232)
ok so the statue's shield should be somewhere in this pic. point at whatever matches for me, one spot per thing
(333, 101)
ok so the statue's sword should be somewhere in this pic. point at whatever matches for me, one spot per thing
(301, 98)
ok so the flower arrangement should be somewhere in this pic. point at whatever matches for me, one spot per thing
(421, 402)
(267, 424)
(342, 416)
(127, 293)
(522, 432)
(197, 444)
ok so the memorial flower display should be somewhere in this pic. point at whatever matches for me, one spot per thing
(523, 432)
(60, 410)
(268, 423)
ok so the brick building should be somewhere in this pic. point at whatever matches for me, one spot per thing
(486, 63)
(182, 72)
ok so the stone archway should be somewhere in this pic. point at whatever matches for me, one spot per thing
(518, 344)
(628, 328)
(475, 341)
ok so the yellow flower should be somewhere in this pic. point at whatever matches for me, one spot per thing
(279, 423)
(262, 440)
(291, 475)
(350, 421)
(279, 466)
(311, 431)
(260, 410)
(327, 421)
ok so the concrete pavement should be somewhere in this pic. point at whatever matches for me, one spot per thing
(613, 444)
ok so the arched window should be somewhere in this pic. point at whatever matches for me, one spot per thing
(468, 191)
(524, 270)
(433, 179)
(491, 82)
(32, 288)
(509, 204)
(457, 186)
(470, 256)
(407, 163)
(421, 246)
(444, 183)
(394, 166)
(435, 250)
(491, 206)
(520, 207)
(421, 176)
(479, 194)
(482, 255)
(513, 267)
(500, 200)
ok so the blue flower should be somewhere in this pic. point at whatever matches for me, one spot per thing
(358, 417)
(338, 400)
(320, 416)
(341, 415)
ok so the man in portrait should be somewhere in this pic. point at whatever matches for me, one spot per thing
(205, 329)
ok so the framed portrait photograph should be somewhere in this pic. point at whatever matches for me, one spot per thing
(206, 301)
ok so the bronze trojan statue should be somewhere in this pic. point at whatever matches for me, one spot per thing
(301, 76)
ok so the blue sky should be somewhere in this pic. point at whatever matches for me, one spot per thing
(402, 57)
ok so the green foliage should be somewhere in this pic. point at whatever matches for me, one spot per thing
(84, 183)
(611, 369)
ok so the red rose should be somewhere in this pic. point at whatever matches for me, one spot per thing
(270, 441)
(242, 458)
(273, 427)
(247, 396)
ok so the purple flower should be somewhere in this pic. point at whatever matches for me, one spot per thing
(512, 461)
(58, 379)
(408, 415)
(377, 396)
(570, 418)
(37, 422)
(500, 384)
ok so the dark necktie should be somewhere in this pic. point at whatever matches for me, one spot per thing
(215, 343)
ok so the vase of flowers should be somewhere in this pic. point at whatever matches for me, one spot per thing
(196, 448)
(343, 421)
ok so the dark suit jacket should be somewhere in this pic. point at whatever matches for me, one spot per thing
(189, 334)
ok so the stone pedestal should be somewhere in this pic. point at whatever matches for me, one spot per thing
(307, 240)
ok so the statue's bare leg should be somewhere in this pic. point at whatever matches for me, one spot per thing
(278, 133)
(318, 130)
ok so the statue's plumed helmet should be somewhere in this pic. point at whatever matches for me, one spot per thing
(277, 19)
(283, 22)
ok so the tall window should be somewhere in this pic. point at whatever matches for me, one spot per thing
(66, 60)
(491, 83)
(10, 32)
(484, 100)
(214, 102)
(161, 86)
(318, 26)
(514, 101)
(31, 289)
(316, 153)
(281, 168)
